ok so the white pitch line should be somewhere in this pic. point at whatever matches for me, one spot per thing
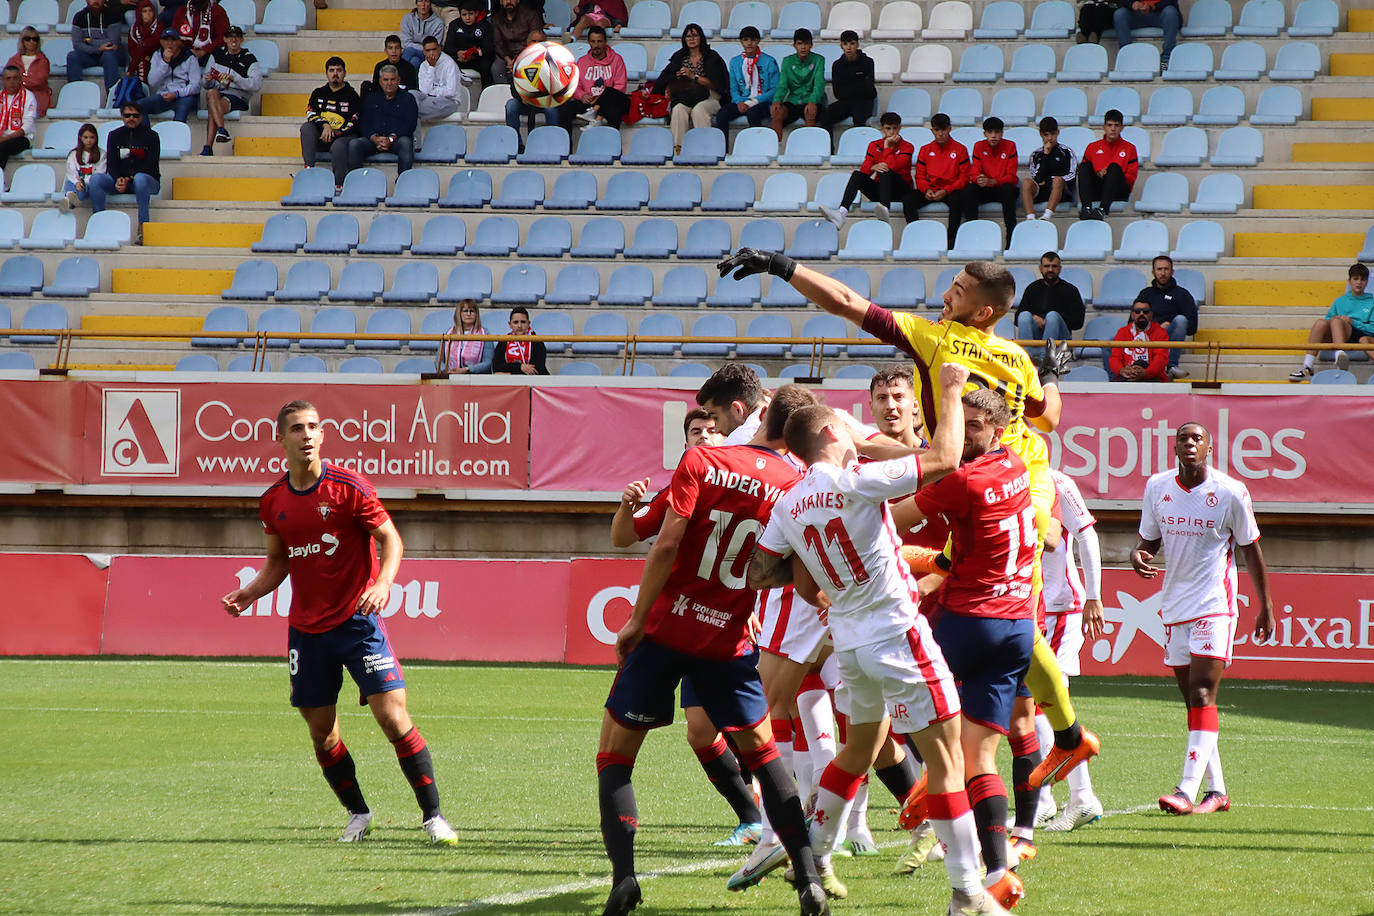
(247, 712)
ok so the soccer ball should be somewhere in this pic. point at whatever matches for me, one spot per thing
(545, 75)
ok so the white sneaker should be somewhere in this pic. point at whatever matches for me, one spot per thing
(589, 116)
(1030, 215)
(1075, 815)
(881, 212)
(1046, 809)
(761, 861)
(440, 833)
(836, 216)
(962, 904)
(919, 850)
(1342, 359)
(1048, 214)
(359, 826)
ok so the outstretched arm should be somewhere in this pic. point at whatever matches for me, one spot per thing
(828, 293)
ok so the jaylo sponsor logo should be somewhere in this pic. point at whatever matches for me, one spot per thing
(417, 598)
(140, 432)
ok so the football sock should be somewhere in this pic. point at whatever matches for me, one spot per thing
(954, 826)
(858, 814)
(1025, 757)
(899, 778)
(817, 719)
(1079, 779)
(1215, 781)
(1308, 360)
(342, 776)
(802, 768)
(1044, 735)
(619, 816)
(835, 793)
(744, 772)
(988, 798)
(1202, 743)
(784, 809)
(412, 753)
(1046, 683)
(723, 771)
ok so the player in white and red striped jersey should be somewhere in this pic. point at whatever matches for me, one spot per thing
(1200, 516)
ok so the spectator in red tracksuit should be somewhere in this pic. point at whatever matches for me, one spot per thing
(1140, 364)
(942, 170)
(884, 175)
(1108, 169)
(992, 175)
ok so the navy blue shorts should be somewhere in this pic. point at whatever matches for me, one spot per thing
(317, 660)
(989, 658)
(236, 103)
(729, 690)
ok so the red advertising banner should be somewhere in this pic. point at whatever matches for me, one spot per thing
(212, 434)
(55, 604)
(601, 595)
(43, 425)
(471, 610)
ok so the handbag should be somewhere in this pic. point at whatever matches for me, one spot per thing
(687, 92)
(645, 103)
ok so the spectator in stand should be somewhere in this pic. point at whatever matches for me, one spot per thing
(470, 42)
(1053, 172)
(410, 79)
(145, 39)
(1094, 19)
(202, 25)
(942, 170)
(695, 80)
(516, 108)
(883, 176)
(173, 79)
(331, 119)
(520, 357)
(801, 85)
(1149, 14)
(602, 83)
(1139, 364)
(511, 27)
(34, 68)
(1172, 306)
(97, 34)
(390, 119)
(1350, 318)
(18, 111)
(609, 14)
(447, 11)
(992, 175)
(1051, 308)
(851, 78)
(473, 357)
(232, 76)
(1108, 170)
(131, 164)
(417, 25)
(84, 161)
(753, 80)
(441, 86)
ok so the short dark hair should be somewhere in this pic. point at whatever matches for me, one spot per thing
(1048, 125)
(392, 40)
(732, 382)
(288, 409)
(1141, 300)
(430, 40)
(889, 374)
(1051, 256)
(518, 310)
(335, 61)
(991, 403)
(802, 430)
(597, 30)
(994, 123)
(1357, 271)
(939, 121)
(127, 106)
(750, 31)
(1161, 257)
(890, 117)
(803, 35)
(476, 6)
(849, 35)
(696, 413)
(1113, 115)
(787, 400)
(996, 282)
(9, 67)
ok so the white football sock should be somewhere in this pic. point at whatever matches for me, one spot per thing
(960, 837)
(1215, 781)
(1202, 745)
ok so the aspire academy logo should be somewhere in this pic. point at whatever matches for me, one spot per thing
(140, 432)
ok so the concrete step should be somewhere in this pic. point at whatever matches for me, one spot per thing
(360, 20)
(222, 189)
(1343, 109)
(1313, 197)
(1352, 64)
(141, 324)
(202, 235)
(359, 63)
(1259, 337)
(160, 281)
(1333, 152)
(1275, 293)
(1296, 244)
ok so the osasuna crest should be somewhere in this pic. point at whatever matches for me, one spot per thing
(323, 510)
(760, 463)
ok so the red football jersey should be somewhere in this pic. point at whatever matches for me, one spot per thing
(726, 494)
(327, 531)
(649, 519)
(987, 502)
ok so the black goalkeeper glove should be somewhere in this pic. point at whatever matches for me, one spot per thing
(749, 261)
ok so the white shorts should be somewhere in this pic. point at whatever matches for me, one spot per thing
(904, 676)
(791, 627)
(1206, 637)
(1064, 633)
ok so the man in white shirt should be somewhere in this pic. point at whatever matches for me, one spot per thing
(1200, 516)
(18, 110)
(440, 83)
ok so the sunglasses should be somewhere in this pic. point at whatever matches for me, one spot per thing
(1140, 311)
(131, 114)
(29, 38)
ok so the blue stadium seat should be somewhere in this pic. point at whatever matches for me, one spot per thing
(545, 145)
(1066, 104)
(244, 363)
(751, 12)
(964, 106)
(175, 138)
(1297, 60)
(76, 101)
(1191, 60)
(764, 326)
(575, 284)
(1091, 374)
(1085, 63)
(434, 322)
(602, 237)
(50, 229)
(32, 183)
(1334, 377)
(856, 371)
(852, 146)
(495, 145)
(57, 136)
(625, 191)
(1030, 239)
(415, 281)
(495, 237)
(806, 146)
(75, 278)
(782, 295)
(703, 146)
(306, 281)
(467, 281)
(1087, 240)
(194, 362)
(603, 324)
(1119, 287)
(282, 17)
(1367, 252)
(1001, 19)
(677, 191)
(579, 367)
(980, 64)
(521, 190)
(651, 145)
(730, 192)
(704, 13)
(1183, 147)
(799, 14)
(1165, 192)
(267, 53)
(362, 187)
(1169, 106)
(1242, 60)
(821, 326)
(548, 237)
(41, 316)
(943, 281)
(359, 281)
(1137, 62)
(815, 239)
(597, 145)
(868, 240)
(761, 234)
(653, 238)
(711, 326)
(443, 144)
(900, 288)
(384, 321)
(753, 146)
(413, 365)
(305, 363)
(1238, 146)
(415, 188)
(648, 19)
(1123, 98)
(11, 227)
(1199, 240)
(636, 66)
(335, 233)
(1278, 105)
(554, 328)
(282, 233)
(1315, 19)
(572, 190)
(732, 293)
(1219, 193)
(1194, 282)
(782, 192)
(441, 236)
(469, 189)
(633, 285)
(225, 318)
(706, 238)
(388, 233)
(1260, 18)
(1208, 19)
(1051, 19)
(522, 284)
(658, 324)
(360, 365)
(977, 240)
(1221, 105)
(21, 275)
(278, 321)
(1015, 106)
(638, 369)
(253, 281)
(1143, 240)
(332, 321)
(1099, 327)
(912, 103)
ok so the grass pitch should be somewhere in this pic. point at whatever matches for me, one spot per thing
(152, 787)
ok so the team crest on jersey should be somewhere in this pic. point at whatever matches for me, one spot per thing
(324, 510)
(1211, 500)
(893, 469)
(281, 516)
(760, 463)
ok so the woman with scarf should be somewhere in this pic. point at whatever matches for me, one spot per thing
(471, 357)
(144, 39)
(695, 80)
(34, 64)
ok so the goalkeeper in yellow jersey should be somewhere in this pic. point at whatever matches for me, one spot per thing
(980, 295)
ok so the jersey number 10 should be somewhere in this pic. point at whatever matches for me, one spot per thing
(721, 561)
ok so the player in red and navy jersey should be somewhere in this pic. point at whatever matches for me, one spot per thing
(320, 522)
(692, 621)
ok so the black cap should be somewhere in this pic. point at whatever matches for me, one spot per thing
(234, 30)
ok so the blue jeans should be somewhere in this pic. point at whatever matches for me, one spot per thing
(359, 148)
(109, 61)
(1169, 19)
(144, 186)
(516, 108)
(1055, 327)
(182, 105)
(1178, 330)
(80, 195)
(413, 56)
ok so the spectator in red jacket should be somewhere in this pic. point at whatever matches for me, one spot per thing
(884, 175)
(202, 25)
(1108, 170)
(1140, 364)
(992, 175)
(942, 170)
